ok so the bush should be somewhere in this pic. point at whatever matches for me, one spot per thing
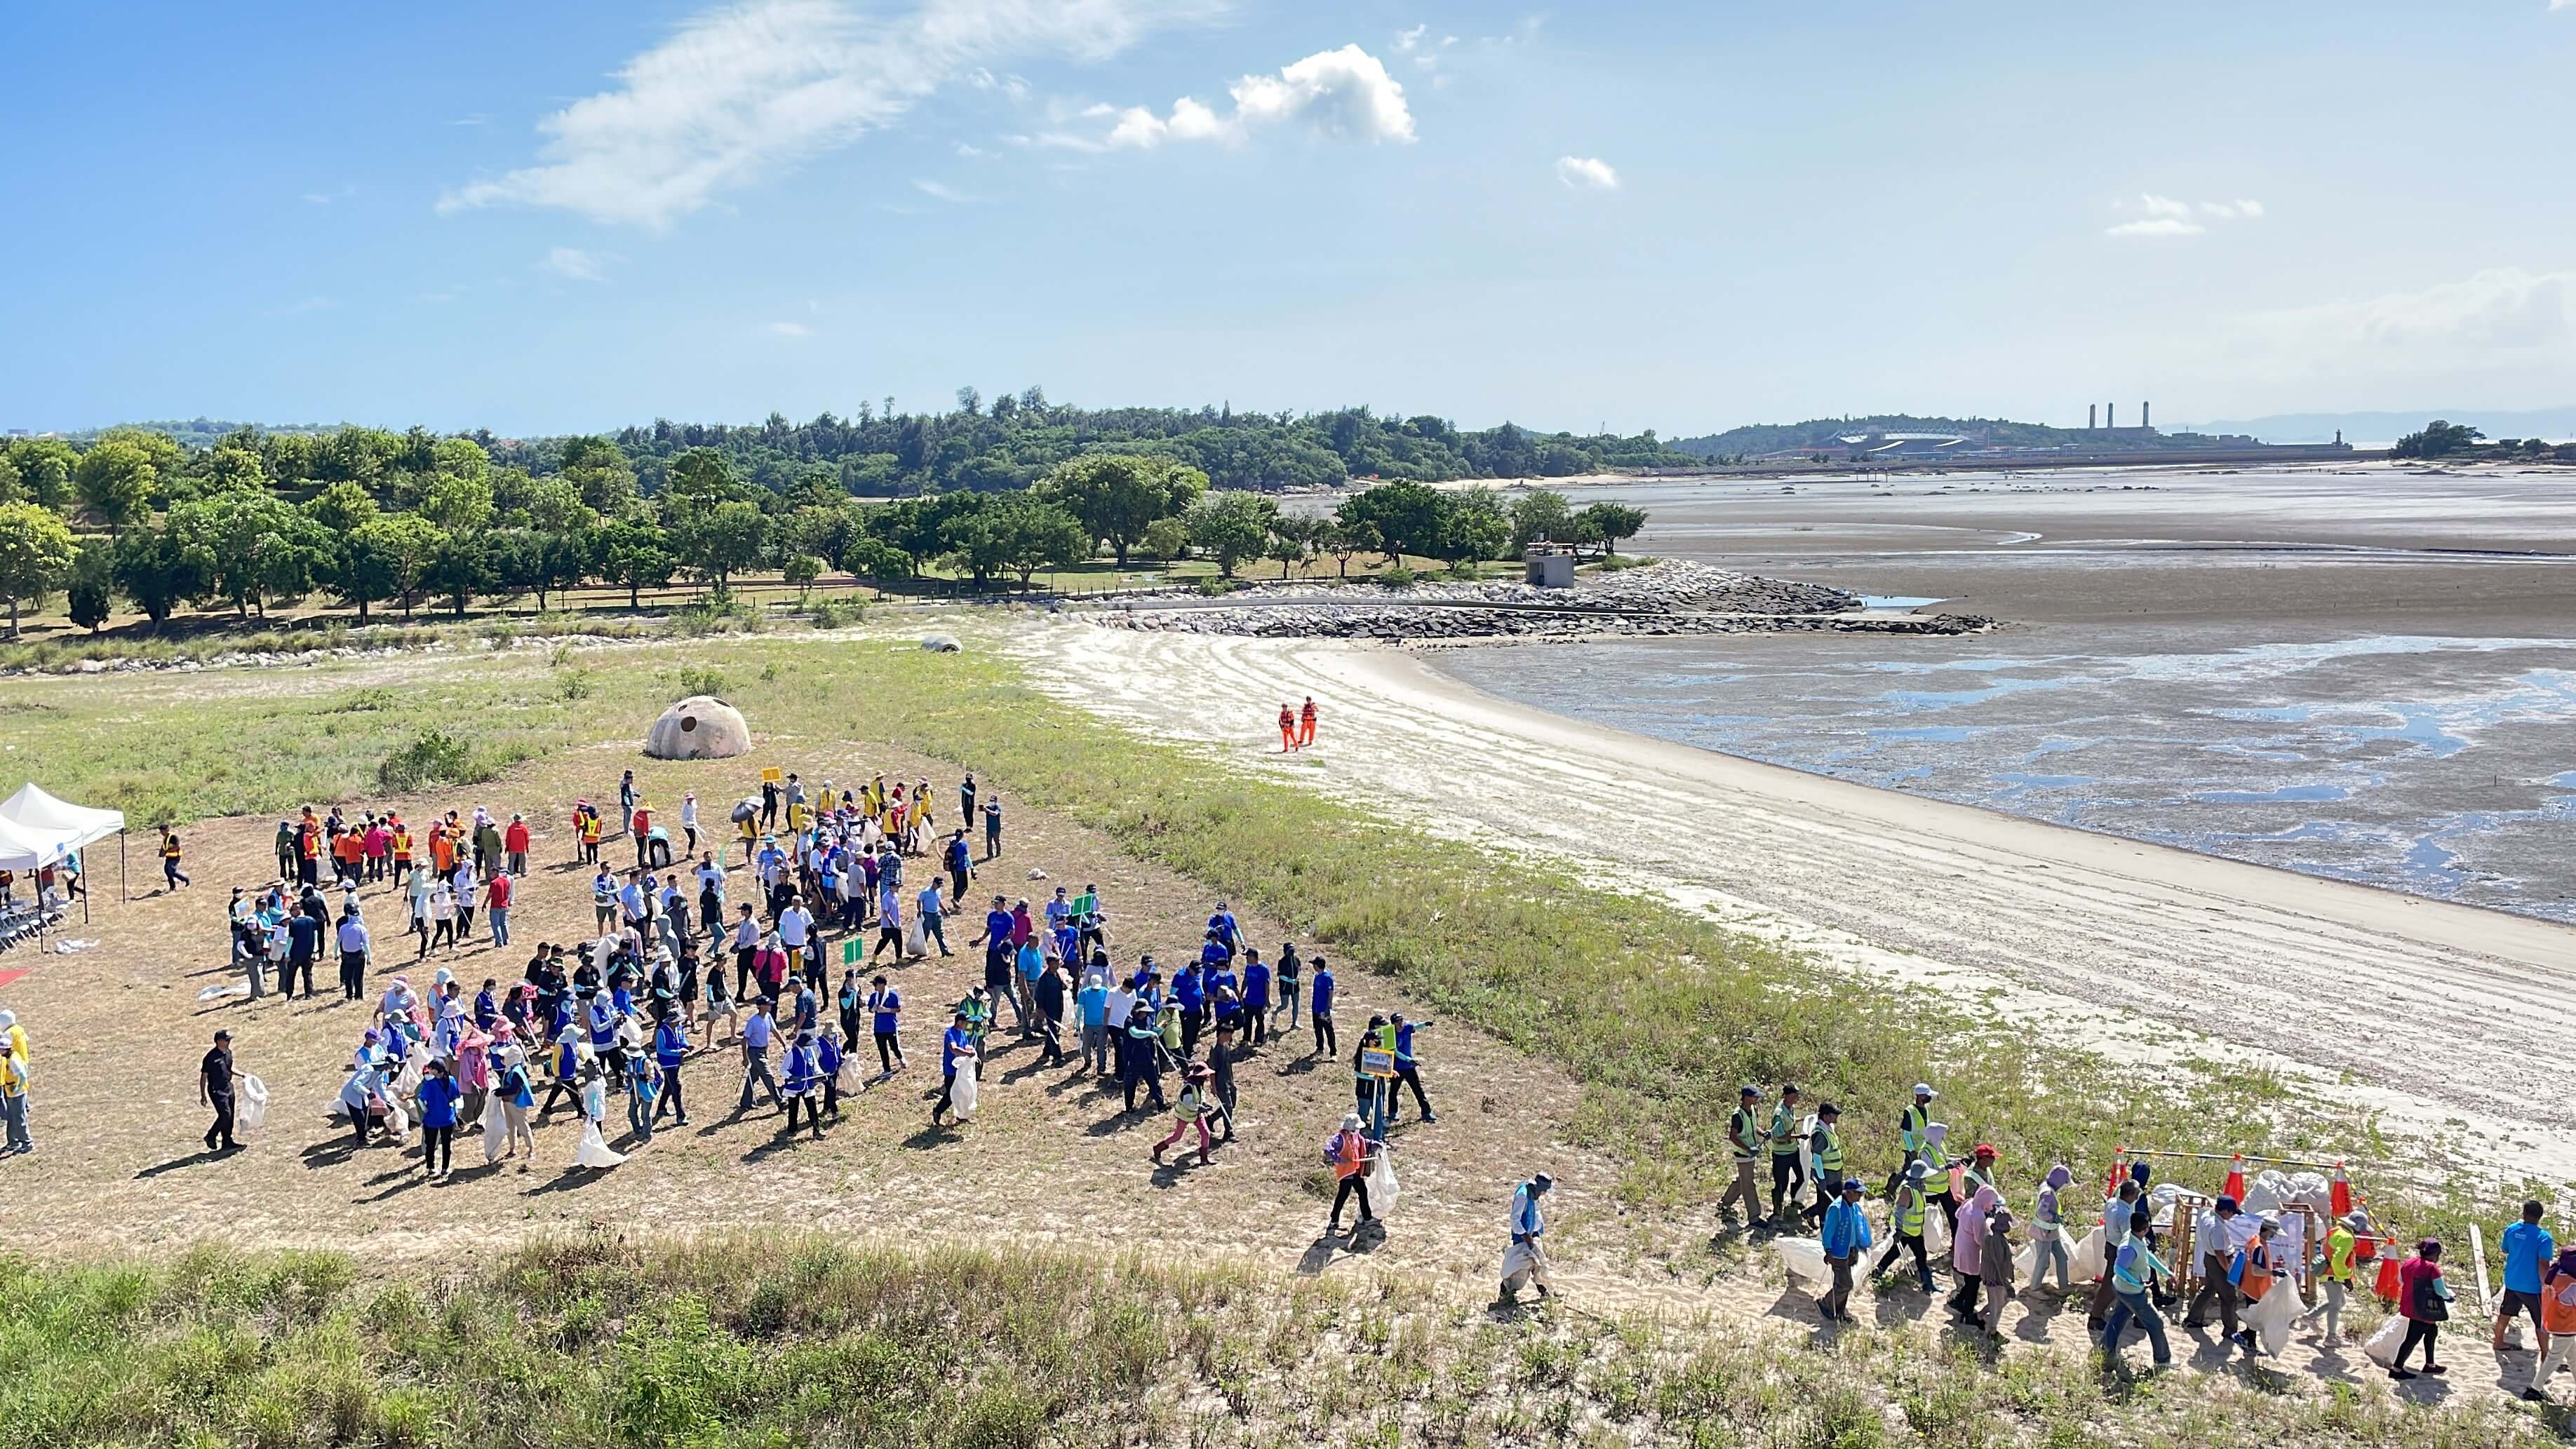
(434, 757)
(1212, 588)
(725, 613)
(696, 679)
(575, 684)
(1396, 576)
(839, 613)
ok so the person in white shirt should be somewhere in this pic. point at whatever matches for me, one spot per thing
(689, 819)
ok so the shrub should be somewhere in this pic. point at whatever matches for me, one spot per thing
(839, 613)
(1396, 576)
(698, 679)
(434, 757)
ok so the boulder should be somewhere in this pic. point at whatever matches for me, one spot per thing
(700, 727)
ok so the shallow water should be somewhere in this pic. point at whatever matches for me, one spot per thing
(2436, 764)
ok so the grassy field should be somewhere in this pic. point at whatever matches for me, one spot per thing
(597, 1341)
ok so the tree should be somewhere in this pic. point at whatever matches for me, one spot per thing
(115, 481)
(86, 594)
(1290, 538)
(1232, 527)
(635, 554)
(342, 509)
(600, 473)
(800, 569)
(1611, 523)
(1541, 513)
(36, 555)
(1410, 517)
(230, 467)
(458, 503)
(717, 543)
(159, 570)
(969, 401)
(1117, 496)
(1038, 534)
(1478, 527)
(1345, 538)
(699, 479)
(387, 558)
(556, 505)
(1166, 539)
(459, 568)
(876, 560)
(2440, 439)
(251, 547)
(44, 468)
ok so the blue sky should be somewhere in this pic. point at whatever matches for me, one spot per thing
(571, 215)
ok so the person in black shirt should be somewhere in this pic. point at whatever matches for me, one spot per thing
(215, 1089)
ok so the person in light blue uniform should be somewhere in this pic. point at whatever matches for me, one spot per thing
(1525, 1262)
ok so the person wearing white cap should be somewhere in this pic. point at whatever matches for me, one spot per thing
(1911, 1122)
(1525, 1261)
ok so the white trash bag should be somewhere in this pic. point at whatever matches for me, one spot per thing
(2088, 1259)
(850, 1078)
(496, 1127)
(2381, 1348)
(250, 1105)
(1936, 1234)
(2270, 1316)
(1382, 1188)
(961, 1098)
(594, 1150)
(916, 942)
(1804, 1258)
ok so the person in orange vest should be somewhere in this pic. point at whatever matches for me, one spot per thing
(401, 847)
(1306, 723)
(2558, 1317)
(1349, 1152)
(591, 830)
(1287, 728)
(2255, 1267)
(308, 849)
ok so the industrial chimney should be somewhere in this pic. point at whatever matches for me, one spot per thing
(2092, 416)
(2142, 416)
(2111, 416)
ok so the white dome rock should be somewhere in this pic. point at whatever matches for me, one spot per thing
(700, 727)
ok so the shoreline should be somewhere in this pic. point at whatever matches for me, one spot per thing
(2446, 1019)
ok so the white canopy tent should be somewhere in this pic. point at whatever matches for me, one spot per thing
(38, 826)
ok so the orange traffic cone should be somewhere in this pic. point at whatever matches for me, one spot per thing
(2235, 1187)
(2339, 1197)
(2119, 1172)
(2387, 1285)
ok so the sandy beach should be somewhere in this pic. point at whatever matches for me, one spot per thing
(2446, 1021)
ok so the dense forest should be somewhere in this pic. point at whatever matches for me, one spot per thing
(255, 518)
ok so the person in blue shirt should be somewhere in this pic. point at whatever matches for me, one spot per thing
(438, 1093)
(1845, 1236)
(2528, 1250)
(827, 1061)
(670, 1052)
(961, 869)
(1408, 1070)
(956, 1043)
(2133, 1272)
(755, 1055)
(303, 936)
(487, 1007)
(1222, 926)
(1093, 1001)
(1525, 1262)
(1189, 988)
(1256, 999)
(1322, 1007)
(885, 1006)
(804, 1084)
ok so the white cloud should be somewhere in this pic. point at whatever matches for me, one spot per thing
(2562, 4)
(1345, 94)
(1586, 173)
(579, 265)
(743, 91)
(2158, 226)
(2166, 216)
(2498, 317)
(971, 151)
(790, 329)
(945, 193)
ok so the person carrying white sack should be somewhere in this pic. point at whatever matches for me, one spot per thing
(1525, 1262)
(2047, 1230)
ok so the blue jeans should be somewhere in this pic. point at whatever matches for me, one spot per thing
(2126, 1307)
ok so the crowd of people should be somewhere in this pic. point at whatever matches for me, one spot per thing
(723, 965)
(1937, 1195)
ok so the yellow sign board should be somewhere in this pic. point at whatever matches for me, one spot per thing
(772, 776)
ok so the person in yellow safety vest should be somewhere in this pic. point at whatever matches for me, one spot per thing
(1936, 1165)
(1743, 1141)
(1905, 1215)
(1911, 1122)
(13, 1086)
(2557, 1319)
(1825, 1144)
(2336, 1274)
(2256, 1265)
(1785, 1168)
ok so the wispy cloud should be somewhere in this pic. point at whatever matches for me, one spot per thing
(790, 329)
(2164, 216)
(325, 198)
(972, 152)
(942, 192)
(1586, 173)
(309, 304)
(2500, 316)
(743, 91)
(476, 119)
(579, 265)
(1345, 94)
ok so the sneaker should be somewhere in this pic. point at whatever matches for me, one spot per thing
(2397, 1373)
(2534, 1396)
(2437, 1369)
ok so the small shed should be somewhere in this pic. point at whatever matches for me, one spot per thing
(1548, 566)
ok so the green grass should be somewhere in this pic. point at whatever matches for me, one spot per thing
(791, 1341)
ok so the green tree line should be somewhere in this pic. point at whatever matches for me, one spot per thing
(371, 519)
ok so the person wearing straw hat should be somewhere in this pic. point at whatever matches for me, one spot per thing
(1190, 1109)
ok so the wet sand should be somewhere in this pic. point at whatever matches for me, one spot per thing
(2455, 1020)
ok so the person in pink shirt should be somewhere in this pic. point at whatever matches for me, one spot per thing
(377, 843)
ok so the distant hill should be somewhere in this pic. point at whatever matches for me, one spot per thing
(202, 432)
(1760, 438)
(2556, 424)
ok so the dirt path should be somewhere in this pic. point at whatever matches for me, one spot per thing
(2449, 1021)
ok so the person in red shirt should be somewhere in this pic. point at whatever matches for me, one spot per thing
(514, 841)
(1306, 723)
(2424, 1300)
(376, 842)
(498, 893)
(1287, 729)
